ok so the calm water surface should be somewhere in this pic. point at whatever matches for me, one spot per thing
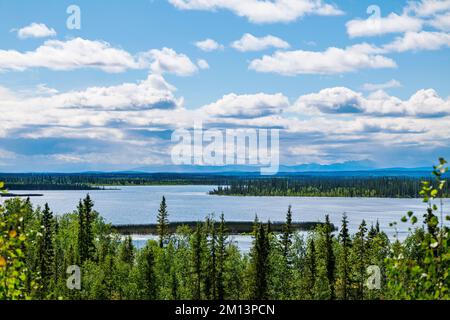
(139, 205)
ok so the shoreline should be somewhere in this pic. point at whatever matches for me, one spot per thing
(233, 227)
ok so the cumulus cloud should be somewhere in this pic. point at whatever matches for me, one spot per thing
(209, 45)
(426, 8)
(35, 30)
(381, 86)
(247, 105)
(108, 125)
(261, 11)
(249, 42)
(127, 103)
(69, 55)
(202, 64)
(331, 100)
(414, 41)
(81, 53)
(393, 23)
(441, 22)
(340, 100)
(331, 61)
(152, 93)
(168, 60)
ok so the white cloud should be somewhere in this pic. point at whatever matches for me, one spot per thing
(124, 104)
(69, 55)
(426, 8)
(167, 60)
(249, 42)
(202, 64)
(209, 45)
(441, 22)
(414, 41)
(247, 105)
(44, 89)
(340, 100)
(381, 86)
(35, 30)
(152, 93)
(80, 53)
(331, 100)
(332, 60)
(393, 23)
(124, 121)
(261, 11)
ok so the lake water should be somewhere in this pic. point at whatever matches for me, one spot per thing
(139, 205)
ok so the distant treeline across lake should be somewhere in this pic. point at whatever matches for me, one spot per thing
(234, 227)
(381, 184)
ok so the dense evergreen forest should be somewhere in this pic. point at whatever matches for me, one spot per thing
(383, 187)
(40, 254)
(90, 181)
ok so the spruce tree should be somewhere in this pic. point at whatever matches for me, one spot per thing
(163, 222)
(197, 261)
(344, 268)
(221, 257)
(286, 239)
(127, 251)
(86, 246)
(211, 289)
(88, 205)
(46, 252)
(310, 268)
(148, 274)
(260, 261)
(330, 259)
(360, 256)
(82, 251)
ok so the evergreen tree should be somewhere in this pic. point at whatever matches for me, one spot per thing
(260, 261)
(46, 252)
(82, 251)
(330, 259)
(221, 257)
(148, 279)
(211, 288)
(88, 205)
(310, 269)
(360, 258)
(163, 222)
(86, 246)
(127, 251)
(286, 239)
(197, 261)
(344, 268)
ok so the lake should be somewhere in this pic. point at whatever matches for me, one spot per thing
(139, 205)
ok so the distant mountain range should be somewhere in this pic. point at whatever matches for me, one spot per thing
(345, 169)
(350, 168)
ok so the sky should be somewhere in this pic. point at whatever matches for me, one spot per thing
(343, 81)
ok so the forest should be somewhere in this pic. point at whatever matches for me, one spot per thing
(42, 254)
(381, 187)
(95, 181)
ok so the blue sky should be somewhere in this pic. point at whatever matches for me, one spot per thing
(341, 82)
